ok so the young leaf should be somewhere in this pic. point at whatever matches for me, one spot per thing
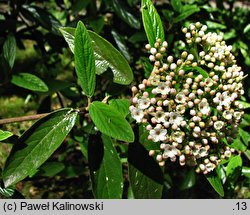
(122, 105)
(246, 29)
(234, 167)
(124, 13)
(245, 104)
(29, 81)
(106, 55)
(5, 135)
(84, 60)
(110, 122)
(152, 22)
(9, 50)
(106, 175)
(215, 182)
(37, 144)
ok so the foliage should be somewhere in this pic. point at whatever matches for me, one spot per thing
(76, 60)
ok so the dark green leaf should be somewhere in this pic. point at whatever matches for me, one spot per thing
(177, 5)
(125, 14)
(50, 169)
(145, 175)
(107, 178)
(189, 180)
(97, 24)
(152, 22)
(234, 166)
(121, 45)
(9, 50)
(110, 122)
(5, 135)
(245, 136)
(37, 144)
(84, 60)
(105, 52)
(29, 81)
(142, 186)
(121, 105)
(215, 182)
(105, 56)
(187, 11)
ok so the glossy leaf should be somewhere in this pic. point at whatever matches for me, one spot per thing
(246, 29)
(245, 136)
(121, 45)
(215, 25)
(145, 175)
(189, 180)
(111, 122)
(84, 60)
(5, 135)
(50, 169)
(215, 182)
(7, 192)
(246, 171)
(234, 167)
(107, 53)
(29, 81)
(152, 22)
(238, 145)
(107, 178)
(197, 69)
(105, 56)
(143, 187)
(245, 104)
(187, 11)
(125, 14)
(37, 144)
(9, 50)
(121, 105)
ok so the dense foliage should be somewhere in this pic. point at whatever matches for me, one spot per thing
(75, 62)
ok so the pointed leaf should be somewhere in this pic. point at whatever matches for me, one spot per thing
(111, 122)
(107, 178)
(106, 55)
(234, 167)
(125, 14)
(177, 5)
(29, 81)
(37, 144)
(5, 135)
(84, 60)
(187, 11)
(152, 22)
(189, 180)
(9, 50)
(215, 182)
(246, 29)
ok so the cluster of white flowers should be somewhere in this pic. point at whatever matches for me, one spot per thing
(189, 105)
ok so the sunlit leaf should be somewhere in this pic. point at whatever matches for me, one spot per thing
(152, 22)
(9, 50)
(5, 135)
(29, 81)
(37, 144)
(84, 60)
(215, 182)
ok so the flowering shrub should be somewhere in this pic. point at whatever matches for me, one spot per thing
(189, 105)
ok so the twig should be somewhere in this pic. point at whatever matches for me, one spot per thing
(22, 118)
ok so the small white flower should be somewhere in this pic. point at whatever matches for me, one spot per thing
(170, 151)
(137, 114)
(225, 99)
(178, 136)
(180, 98)
(218, 125)
(159, 116)
(210, 167)
(143, 103)
(175, 118)
(180, 109)
(158, 134)
(227, 114)
(204, 107)
(162, 88)
(237, 115)
(209, 82)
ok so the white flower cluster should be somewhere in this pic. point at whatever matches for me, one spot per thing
(189, 105)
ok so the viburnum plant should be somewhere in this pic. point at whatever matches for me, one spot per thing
(190, 105)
